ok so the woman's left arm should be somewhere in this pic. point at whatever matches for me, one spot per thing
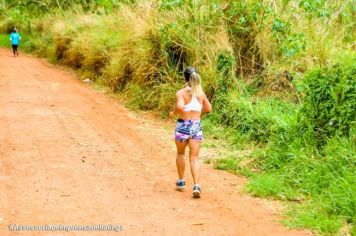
(179, 104)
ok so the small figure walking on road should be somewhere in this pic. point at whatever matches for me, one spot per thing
(191, 101)
(15, 41)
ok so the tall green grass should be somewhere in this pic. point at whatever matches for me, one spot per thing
(4, 41)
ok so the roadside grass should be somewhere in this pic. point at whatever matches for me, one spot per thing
(4, 41)
(313, 215)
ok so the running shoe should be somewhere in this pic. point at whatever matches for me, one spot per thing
(196, 190)
(180, 184)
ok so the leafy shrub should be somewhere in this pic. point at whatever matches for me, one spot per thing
(330, 99)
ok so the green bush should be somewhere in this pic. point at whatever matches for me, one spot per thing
(330, 99)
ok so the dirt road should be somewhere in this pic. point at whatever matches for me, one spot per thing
(71, 155)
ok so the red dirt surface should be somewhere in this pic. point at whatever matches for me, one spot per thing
(72, 155)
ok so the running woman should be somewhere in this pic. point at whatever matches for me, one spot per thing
(191, 101)
(15, 40)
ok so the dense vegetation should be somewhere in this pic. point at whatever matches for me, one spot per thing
(281, 75)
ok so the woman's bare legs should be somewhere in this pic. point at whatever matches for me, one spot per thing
(180, 158)
(194, 148)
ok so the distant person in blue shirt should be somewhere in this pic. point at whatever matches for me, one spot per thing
(15, 40)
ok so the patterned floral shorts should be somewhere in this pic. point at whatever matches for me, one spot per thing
(188, 129)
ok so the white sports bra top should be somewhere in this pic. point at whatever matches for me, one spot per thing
(193, 105)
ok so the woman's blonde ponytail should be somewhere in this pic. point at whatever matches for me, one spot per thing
(195, 84)
(193, 79)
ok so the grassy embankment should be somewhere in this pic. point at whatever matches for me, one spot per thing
(281, 75)
(4, 41)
